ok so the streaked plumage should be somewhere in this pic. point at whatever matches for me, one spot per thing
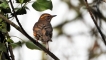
(42, 29)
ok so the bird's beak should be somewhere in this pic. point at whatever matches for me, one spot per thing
(54, 15)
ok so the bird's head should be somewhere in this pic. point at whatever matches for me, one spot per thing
(46, 17)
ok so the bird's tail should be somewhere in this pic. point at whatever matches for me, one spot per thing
(47, 46)
(46, 39)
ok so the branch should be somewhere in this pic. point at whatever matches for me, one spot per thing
(11, 51)
(94, 20)
(9, 47)
(30, 38)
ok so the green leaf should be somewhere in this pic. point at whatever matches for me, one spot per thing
(10, 40)
(41, 0)
(41, 5)
(6, 10)
(2, 47)
(31, 45)
(22, 1)
(21, 11)
(0, 20)
(3, 27)
(18, 44)
(5, 7)
(14, 45)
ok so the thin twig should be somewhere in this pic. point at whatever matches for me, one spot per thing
(11, 51)
(10, 48)
(94, 20)
(6, 54)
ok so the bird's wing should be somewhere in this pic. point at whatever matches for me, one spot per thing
(37, 30)
(47, 32)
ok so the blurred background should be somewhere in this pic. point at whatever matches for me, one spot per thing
(75, 36)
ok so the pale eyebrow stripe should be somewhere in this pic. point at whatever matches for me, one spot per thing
(43, 16)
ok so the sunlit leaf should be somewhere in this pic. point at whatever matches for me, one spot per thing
(41, 5)
(4, 5)
(31, 45)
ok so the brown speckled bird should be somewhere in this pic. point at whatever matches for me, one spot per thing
(42, 29)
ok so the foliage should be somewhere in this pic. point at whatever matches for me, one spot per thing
(41, 5)
(31, 45)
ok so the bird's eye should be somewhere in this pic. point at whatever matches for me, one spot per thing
(48, 17)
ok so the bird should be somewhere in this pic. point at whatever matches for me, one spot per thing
(42, 29)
